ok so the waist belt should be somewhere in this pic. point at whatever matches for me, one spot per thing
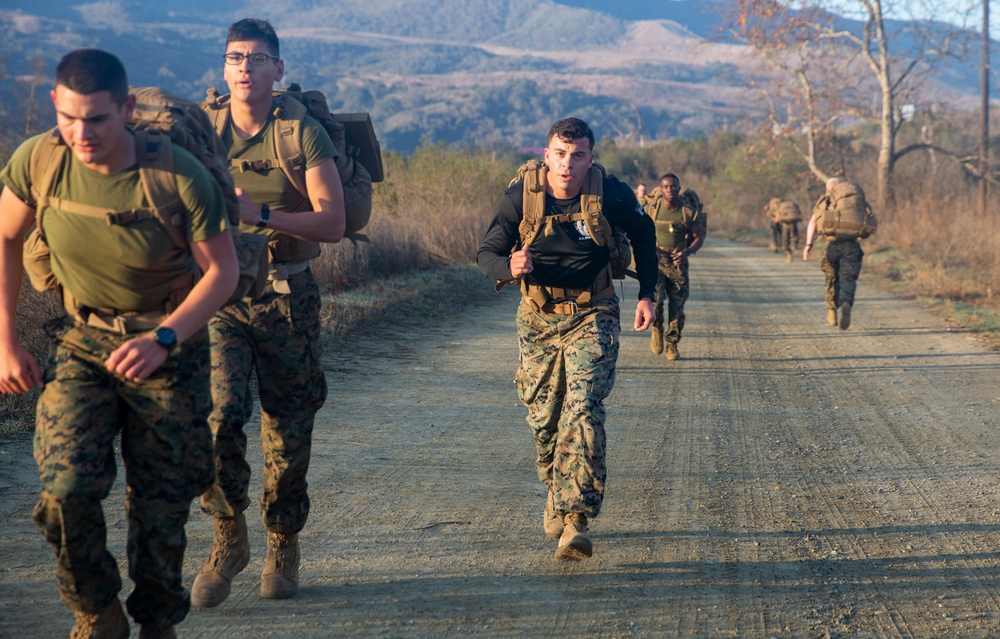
(121, 323)
(670, 251)
(278, 274)
(566, 301)
(584, 299)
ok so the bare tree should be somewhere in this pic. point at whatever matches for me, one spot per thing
(822, 51)
(984, 137)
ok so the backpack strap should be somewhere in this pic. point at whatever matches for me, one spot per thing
(217, 108)
(43, 165)
(533, 202)
(591, 205)
(288, 116)
(159, 184)
(156, 161)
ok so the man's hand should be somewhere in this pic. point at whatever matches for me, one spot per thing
(249, 212)
(137, 359)
(520, 262)
(644, 314)
(805, 253)
(679, 257)
(19, 372)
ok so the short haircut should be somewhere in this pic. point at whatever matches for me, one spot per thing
(87, 71)
(569, 129)
(832, 182)
(670, 176)
(254, 30)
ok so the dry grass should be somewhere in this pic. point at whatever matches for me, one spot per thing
(431, 212)
(17, 412)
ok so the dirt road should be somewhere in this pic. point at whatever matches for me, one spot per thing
(784, 479)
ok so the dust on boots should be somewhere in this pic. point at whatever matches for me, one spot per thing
(280, 579)
(574, 544)
(230, 555)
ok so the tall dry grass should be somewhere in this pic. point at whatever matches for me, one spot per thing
(33, 309)
(431, 211)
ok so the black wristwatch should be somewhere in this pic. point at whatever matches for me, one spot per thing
(265, 215)
(165, 337)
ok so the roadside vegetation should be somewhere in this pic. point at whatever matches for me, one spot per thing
(435, 204)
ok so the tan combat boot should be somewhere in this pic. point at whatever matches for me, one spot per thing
(230, 555)
(845, 316)
(788, 257)
(159, 633)
(107, 623)
(831, 316)
(552, 520)
(574, 544)
(656, 339)
(280, 579)
(672, 352)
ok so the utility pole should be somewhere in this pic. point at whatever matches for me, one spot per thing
(984, 140)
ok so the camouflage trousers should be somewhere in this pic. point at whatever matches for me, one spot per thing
(775, 236)
(790, 237)
(167, 453)
(672, 290)
(841, 264)
(278, 336)
(567, 370)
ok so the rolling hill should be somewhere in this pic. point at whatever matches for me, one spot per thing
(481, 72)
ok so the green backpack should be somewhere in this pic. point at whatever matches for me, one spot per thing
(158, 120)
(359, 163)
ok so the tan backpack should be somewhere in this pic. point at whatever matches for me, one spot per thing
(359, 163)
(847, 215)
(534, 220)
(788, 212)
(694, 215)
(158, 120)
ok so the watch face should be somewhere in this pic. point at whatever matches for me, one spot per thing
(166, 337)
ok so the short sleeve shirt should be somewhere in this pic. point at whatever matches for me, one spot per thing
(127, 267)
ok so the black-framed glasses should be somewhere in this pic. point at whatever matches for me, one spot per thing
(256, 59)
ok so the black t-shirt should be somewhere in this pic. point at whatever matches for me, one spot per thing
(570, 258)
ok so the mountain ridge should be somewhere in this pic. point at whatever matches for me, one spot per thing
(457, 71)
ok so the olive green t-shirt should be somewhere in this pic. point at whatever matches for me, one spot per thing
(129, 267)
(271, 186)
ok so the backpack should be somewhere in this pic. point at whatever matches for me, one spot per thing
(788, 212)
(158, 120)
(688, 200)
(534, 173)
(359, 163)
(847, 214)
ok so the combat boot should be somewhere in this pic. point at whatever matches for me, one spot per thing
(107, 623)
(656, 340)
(845, 316)
(230, 555)
(831, 316)
(574, 544)
(552, 520)
(672, 352)
(788, 257)
(158, 633)
(280, 579)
